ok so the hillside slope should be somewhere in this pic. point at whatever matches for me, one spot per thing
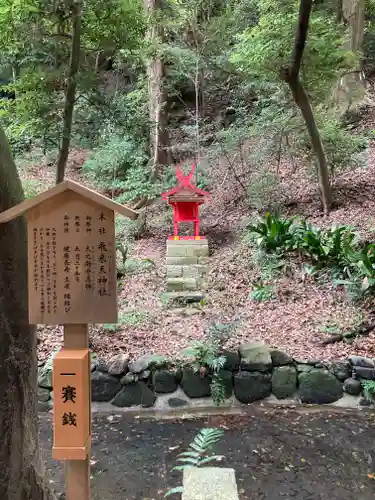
(297, 318)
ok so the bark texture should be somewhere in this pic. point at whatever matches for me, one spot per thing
(159, 137)
(353, 11)
(70, 93)
(351, 87)
(21, 472)
(290, 75)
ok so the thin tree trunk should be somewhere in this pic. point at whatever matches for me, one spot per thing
(21, 471)
(302, 101)
(339, 11)
(197, 124)
(290, 75)
(70, 93)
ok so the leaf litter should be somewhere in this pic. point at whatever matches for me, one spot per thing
(292, 320)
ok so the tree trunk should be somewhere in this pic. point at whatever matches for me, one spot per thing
(21, 472)
(353, 12)
(351, 89)
(339, 17)
(70, 92)
(291, 76)
(159, 137)
(302, 101)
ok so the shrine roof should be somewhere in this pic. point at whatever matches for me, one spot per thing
(186, 191)
(97, 198)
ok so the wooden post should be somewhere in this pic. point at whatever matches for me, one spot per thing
(72, 281)
(77, 472)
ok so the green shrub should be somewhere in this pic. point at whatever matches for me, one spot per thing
(208, 356)
(262, 292)
(273, 232)
(369, 388)
(342, 148)
(331, 247)
(263, 191)
(351, 263)
(121, 166)
(31, 188)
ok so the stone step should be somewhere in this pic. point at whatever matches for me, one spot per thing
(209, 483)
(188, 296)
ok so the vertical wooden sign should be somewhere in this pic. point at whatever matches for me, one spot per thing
(71, 281)
(71, 417)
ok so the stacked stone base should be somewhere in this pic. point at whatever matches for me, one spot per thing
(187, 265)
(254, 373)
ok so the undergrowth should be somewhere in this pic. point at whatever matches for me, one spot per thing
(207, 357)
(198, 454)
(351, 263)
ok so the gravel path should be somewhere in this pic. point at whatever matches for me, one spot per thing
(276, 454)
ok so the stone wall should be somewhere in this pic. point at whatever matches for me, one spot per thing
(253, 373)
(187, 265)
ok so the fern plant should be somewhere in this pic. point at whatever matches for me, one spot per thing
(206, 358)
(197, 454)
(369, 388)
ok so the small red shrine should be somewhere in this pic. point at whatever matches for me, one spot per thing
(185, 199)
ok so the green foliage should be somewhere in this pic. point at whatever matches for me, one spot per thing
(342, 148)
(217, 390)
(264, 190)
(131, 318)
(198, 453)
(271, 265)
(265, 48)
(207, 355)
(352, 264)
(204, 355)
(369, 388)
(273, 232)
(261, 292)
(35, 63)
(112, 327)
(120, 166)
(31, 188)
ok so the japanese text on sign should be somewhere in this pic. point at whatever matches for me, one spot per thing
(73, 274)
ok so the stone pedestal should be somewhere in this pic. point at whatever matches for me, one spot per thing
(187, 265)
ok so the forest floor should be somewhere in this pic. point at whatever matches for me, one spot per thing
(302, 311)
(275, 454)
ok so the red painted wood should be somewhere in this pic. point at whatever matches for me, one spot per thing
(186, 211)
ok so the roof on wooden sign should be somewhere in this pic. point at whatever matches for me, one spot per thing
(26, 205)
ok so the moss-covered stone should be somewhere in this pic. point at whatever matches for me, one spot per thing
(280, 358)
(255, 356)
(251, 386)
(195, 385)
(137, 394)
(319, 387)
(226, 379)
(164, 381)
(104, 387)
(284, 381)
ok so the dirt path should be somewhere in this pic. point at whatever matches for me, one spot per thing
(276, 454)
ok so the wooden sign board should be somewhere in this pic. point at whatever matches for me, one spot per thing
(72, 254)
(71, 391)
(72, 261)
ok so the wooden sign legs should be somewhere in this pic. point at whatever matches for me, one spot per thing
(77, 472)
